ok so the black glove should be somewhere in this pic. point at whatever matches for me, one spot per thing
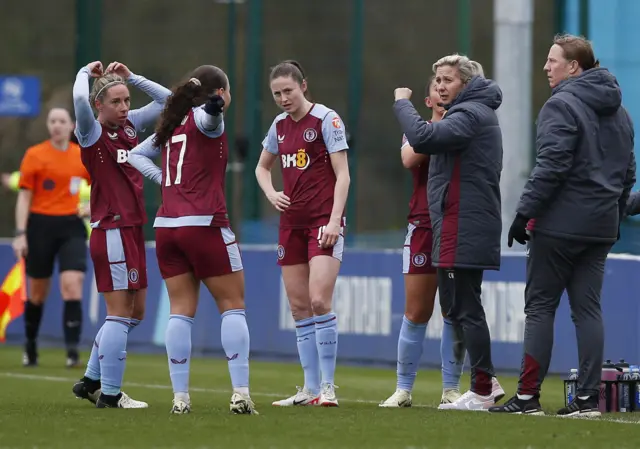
(214, 105)
(518, 230)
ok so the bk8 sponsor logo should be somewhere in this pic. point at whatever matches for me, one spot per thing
(299, 160)
(122, 156)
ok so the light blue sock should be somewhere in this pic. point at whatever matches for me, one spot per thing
(452, 352)
(308, 353)
(178, 343)
(93, 366)
(113, 353)
(235, 342)
(133, 323)
(410, 344)
(327, 344)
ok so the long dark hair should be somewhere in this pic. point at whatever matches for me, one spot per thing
(192, 92)
(292, 69)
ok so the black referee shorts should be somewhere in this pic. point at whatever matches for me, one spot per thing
(48, 237)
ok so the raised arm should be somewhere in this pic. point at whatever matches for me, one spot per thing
(209, 118)
(147, 115)
(140, 158)
(88, 129)
(452, 133)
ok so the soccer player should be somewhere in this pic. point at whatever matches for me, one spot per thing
(421, 284)
(309, 141)
(117, 216)
(193, 240)
(48, 226)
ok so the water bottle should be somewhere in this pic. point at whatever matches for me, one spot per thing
(635, 377)
(624, 390)
(608, 396)
(572, 386)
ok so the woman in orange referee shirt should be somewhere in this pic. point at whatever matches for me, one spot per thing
(49, 226)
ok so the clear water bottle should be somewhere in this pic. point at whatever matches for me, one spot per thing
(572, 386)
(635, 377)
(624, 389)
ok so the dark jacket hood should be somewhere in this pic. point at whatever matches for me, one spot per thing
(597, 88)
(480, 90)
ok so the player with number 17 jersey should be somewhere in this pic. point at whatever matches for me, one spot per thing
(192, 224)
(308, 179)
(194, 178)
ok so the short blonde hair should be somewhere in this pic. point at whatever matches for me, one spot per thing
(477, 69)
(102, 85)
(466, 67)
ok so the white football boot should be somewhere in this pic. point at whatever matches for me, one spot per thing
(450, 395)
(328, 396)
(401, 398)
(241, 404)
(181, 404)
(124, 402)
(302, 398)
(470, 401)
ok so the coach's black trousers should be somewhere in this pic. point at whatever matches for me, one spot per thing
(553, 265)
(460, 298)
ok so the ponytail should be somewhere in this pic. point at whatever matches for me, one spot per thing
(193, 92)
(185, 96)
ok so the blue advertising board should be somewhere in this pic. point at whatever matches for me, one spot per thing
(19, 96)
(369, 302)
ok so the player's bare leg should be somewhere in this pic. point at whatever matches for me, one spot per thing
(183, 291)
(322, 280)
(420, 293)
(296, 284)
(228, 291)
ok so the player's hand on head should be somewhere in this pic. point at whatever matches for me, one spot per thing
(279, 200)
(330, 235)
(95, 68)
(119, 69)
(402, 93)
(20, 246)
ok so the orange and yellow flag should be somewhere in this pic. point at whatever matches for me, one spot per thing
(13, 294)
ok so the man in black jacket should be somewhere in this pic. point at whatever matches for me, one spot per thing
(573, 203)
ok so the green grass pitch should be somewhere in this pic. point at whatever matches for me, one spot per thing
(38, 410)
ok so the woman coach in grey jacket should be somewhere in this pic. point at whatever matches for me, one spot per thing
(464, 203)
